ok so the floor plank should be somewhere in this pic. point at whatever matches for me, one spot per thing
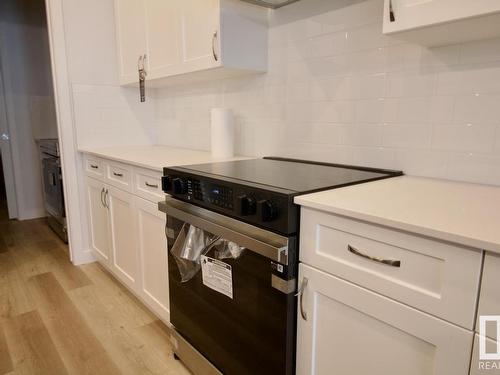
(81, 351)
(5, 359)
(50, 309)
(31, 346)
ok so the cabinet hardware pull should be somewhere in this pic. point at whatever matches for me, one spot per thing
(214, 37)
(151, 185)
(106, 204)
(102, 199)
(300, 294)
(392, 17)
(118, 174)
(94, 166)
(389, 262)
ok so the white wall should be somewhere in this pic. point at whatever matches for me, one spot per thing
(338, 90)
(24, 55)
(105, 113)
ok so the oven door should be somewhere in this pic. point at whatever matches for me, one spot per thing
(52, 186)
(250, 330)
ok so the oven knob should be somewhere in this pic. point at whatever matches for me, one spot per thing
(179, 186)
(267, 210)
(166, 183)
(246, 205)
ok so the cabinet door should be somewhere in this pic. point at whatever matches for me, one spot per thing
(489, 300)
(163, 37)
(123, 227)
(153, 254)
(351, 330)
(411, 14)
(130, 21)
(98, 219)
(200, 34)
(484, 366)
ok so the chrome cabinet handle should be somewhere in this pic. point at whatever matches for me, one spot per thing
(94, 166)
(392, 17)
(214, 37)
(106, 204)
(118, 174)
(151, 185)
(389, 262)
(300, 294)
(102, 199)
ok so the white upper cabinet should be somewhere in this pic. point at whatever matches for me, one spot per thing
(131, 37)
(440, 22)
(206, 38)
(163, 46)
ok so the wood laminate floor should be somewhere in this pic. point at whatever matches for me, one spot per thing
(56, 318)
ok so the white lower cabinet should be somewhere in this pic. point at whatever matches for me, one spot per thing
(349, 330)
(153, 257)
(98, 220)
(123, 225)
(127, 235)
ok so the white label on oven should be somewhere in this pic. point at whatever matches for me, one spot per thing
(217, 275)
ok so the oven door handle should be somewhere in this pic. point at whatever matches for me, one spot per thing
(260, 241)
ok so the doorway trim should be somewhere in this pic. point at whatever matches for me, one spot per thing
(6, 151)
(71, 160)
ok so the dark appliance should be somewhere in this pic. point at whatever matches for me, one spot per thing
(53, 186)
(246, 323)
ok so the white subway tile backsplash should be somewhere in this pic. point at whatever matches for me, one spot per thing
(464, 137)
(336, 90)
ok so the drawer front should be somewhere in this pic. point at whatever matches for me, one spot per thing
(93, 166)
(119, 175)
(429, 275)
(489, 300)
(147, 184)
(343, 328)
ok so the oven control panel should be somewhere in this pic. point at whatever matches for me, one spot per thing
(250, 204)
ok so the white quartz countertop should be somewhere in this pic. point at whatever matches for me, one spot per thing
(154, 157)
(463, 213)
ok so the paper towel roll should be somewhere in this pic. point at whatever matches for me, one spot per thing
(222, 132)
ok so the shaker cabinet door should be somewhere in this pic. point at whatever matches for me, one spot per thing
(153, 257)
(98, 220)
(123, 225)
(348, 330)
(200, 34)
(130, 25)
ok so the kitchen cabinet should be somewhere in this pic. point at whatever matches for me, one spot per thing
(439, 278)
(153, 256)
(346, 329)
(489, 299)
(201, 37)
(440, 22)
(123, 229)
(484, 367)
(98, 220)
(127, 232)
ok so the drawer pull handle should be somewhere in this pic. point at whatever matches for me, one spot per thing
(94, 166)
(389, 262)
(300, 294)
(118, 174)
(151, 185)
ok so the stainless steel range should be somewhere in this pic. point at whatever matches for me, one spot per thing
(232, 231)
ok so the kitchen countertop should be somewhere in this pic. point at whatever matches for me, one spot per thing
(463, 213)
(154, 157)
